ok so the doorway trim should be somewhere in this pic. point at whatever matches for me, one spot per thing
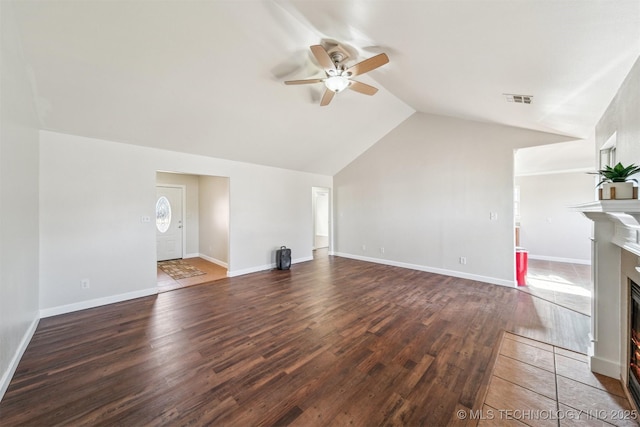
(183, 191)
(314, 192)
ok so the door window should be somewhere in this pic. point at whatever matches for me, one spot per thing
(163, 214)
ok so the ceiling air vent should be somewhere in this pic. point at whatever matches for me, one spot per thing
(520, 99)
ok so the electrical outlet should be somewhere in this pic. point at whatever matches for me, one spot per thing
(463, 260)
(364, 248)
(84, 283)
(381, 250)
(145, 219)
(493, 216)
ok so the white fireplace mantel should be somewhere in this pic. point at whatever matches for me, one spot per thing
(616, 227)
(625, 216)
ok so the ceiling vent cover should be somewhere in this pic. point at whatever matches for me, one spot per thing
(519, 99)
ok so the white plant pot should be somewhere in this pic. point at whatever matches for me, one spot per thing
(623, 190)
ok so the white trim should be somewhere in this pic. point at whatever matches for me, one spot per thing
(299, 260)
(214, 260)
(444, 272)
(13, 365)
(605, 367)
(264, 267)
(554, 172)
(83, 305)
(250, 270)
(629, 206)
(196, 255)
(560, 259)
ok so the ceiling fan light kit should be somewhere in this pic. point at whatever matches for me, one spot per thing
(336, 83)
(338, 78)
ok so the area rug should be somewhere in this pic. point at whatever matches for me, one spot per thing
(178, 269)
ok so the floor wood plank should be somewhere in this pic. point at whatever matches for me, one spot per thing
(332, 341)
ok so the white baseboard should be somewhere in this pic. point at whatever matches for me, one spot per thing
(605, 367)
(15, 360)
(196, 255)
(444, 272)
(214, 260)
(264, 267)
(82, 305)
(559, 259)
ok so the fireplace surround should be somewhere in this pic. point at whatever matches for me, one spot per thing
(634, 342)
(615, 265)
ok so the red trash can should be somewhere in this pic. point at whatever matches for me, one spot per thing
(522, 261)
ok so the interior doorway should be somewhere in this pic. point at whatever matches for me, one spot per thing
(192, 229)
(321, 217)
(555, 239)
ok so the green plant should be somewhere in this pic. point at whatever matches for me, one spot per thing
(618, 173)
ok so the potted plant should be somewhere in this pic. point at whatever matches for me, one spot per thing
(617, 182)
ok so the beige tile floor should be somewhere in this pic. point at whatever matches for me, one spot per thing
(565, 284)
(212, 272)
(538, 384)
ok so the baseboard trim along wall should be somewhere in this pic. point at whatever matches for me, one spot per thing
(214, 260)
(264, 267)
(605, 367)
(196, 255)
(444, 272)
(13, 365)
(558, 259)
(97, 302)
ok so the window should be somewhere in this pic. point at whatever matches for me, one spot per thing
(608, 152)
(163, 214)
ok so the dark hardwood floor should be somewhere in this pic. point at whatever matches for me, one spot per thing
(331, 342)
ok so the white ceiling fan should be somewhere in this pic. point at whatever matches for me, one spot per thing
(338, 77)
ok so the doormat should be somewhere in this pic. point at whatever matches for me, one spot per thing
(178, 269)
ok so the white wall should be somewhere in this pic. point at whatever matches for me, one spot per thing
(214, 219)
(18, 203)
(424, 193)
(571, 156)
(622, 116)
(93, 194)
(192, 210)
(548, 229)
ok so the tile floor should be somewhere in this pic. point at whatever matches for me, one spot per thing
(538, 384)
(565, 284)
(212, 272)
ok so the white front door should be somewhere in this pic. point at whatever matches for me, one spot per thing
(169, 223)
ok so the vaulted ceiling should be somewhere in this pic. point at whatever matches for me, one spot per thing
(206, 77)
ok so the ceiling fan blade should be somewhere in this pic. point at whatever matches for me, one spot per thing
(303, 82)
(323, 57)
(368, 65)
(327, 97)
(362, 88)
